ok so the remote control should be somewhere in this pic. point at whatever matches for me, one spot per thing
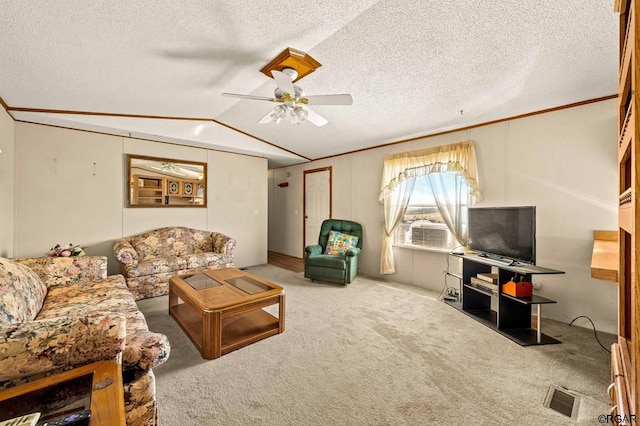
(79, 418)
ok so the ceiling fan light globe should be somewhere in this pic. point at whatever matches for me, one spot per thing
(298, 115)
(291, 73)
(280, 111)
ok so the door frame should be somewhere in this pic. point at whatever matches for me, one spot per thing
(304, 199)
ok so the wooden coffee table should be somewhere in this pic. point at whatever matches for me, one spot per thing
(221, 310)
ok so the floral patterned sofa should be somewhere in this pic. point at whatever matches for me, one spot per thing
(150, 259)
(57, 313)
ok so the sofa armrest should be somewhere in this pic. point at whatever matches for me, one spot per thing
(222, 243)
(313, 249)
(39, 346)
(124, 252)
(145, 350)
(61, 271)
(353, 251)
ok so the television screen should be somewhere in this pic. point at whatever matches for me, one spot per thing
(508, 232)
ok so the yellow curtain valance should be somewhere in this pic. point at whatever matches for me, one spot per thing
(458, 157)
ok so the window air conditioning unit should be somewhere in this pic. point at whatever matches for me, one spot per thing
(431, 235)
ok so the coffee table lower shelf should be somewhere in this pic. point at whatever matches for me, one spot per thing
(237, 331)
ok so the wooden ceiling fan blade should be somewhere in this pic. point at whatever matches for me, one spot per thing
(315, 118)
(344, 99)
(283, 81)
(252, 97)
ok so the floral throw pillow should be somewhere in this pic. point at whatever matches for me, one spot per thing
(340, 243)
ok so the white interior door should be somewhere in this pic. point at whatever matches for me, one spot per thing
(317, 203)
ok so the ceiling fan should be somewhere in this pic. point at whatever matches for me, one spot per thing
(290, 98)
(167, 168)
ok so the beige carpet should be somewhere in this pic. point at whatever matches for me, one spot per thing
(377, 353)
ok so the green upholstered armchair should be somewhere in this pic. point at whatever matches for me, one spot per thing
(330, 267)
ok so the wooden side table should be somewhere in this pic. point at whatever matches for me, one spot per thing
(105, 387)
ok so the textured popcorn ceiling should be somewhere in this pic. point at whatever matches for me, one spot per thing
(411, 66)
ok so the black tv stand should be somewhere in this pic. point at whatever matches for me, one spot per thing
(512, 317)
(504, 260)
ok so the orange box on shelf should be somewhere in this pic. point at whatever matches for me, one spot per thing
(521, 289)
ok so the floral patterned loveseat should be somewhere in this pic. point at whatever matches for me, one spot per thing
(150, 259)
(57, 313)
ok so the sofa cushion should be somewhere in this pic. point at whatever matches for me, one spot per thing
(161, 243)
(147, 245)
(176, 264)
(201, 241)
(148, 267)
(177, 242)
(88, 297)
(143, 349)
(34, 348)
(338, 243)
(22, 293)
(203, 260)
(61, 271)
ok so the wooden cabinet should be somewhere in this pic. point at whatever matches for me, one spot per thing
(625, 365)
(148, 190)
(181, 191)
(158, 191)
(174, 187)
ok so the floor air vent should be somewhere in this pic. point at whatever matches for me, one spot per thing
(562, 401)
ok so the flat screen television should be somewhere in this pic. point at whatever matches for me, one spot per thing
(503, 232)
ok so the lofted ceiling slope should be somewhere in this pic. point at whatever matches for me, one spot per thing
(156, 69)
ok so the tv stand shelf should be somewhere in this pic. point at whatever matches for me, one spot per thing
(512, 317)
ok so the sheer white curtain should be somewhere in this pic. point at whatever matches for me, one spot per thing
(398, 177)
(395, 205)
(451, 193)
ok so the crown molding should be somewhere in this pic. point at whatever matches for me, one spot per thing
(473, 126)
(4, 104)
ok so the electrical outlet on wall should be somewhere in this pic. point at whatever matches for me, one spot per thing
(536, 287)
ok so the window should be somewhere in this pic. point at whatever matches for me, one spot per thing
(422, 224)
(449, 172)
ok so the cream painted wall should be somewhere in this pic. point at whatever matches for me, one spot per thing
(70, 187)
(563, 162)
(6, 184)
(238, 203)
